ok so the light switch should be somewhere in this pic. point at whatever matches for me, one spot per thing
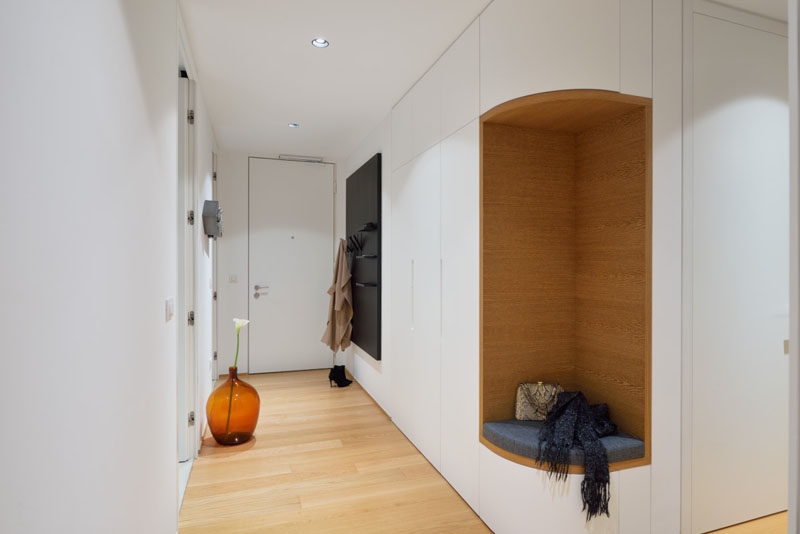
(169, 309)
(233, 278)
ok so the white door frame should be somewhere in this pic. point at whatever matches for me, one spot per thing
(794, 260)
(334, 241)
(186, 237)
(723, 12)
(214, 255)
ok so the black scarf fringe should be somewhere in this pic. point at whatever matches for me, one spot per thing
(572, 423)
(595, 498)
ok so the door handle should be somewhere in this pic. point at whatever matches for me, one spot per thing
(257, 288)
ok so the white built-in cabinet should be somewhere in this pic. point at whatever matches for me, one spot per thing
(434, 265)
(534, 47)
(426, 106)
(402, 133)
(416, 287)
(515, 48)
(517, 499)
(510, 493)
(441, 102)
(435, 306)
(460, 311)
(459, 75)
(636, 47)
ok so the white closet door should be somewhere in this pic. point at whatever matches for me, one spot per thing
(402, 333)
(460, 305)
(424, 383)
(740, 264)
(416, 303)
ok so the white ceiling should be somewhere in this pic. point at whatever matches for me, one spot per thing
(259, 71)
(774, 9)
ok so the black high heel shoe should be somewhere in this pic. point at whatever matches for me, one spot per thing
(337, 375)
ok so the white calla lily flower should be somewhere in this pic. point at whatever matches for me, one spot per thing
(239, 323)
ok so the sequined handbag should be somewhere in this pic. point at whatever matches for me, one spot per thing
(535, 399)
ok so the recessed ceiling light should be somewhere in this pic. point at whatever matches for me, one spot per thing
(319, 42)
(294, 125)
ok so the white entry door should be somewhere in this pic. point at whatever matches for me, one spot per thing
(291, 264)
(740, 274)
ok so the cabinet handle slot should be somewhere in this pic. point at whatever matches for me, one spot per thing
(412, 293)
(441, 296)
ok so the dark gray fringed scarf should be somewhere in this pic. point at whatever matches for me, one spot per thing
(572, 423)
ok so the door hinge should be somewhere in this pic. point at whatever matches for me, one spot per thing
(214, 176)
(214, 295)
(190, 116)
(190, 318)
(191, 418)
(215, 355)
(190, 217)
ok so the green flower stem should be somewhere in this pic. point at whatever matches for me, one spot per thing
(236, 359)
(230, 403)
(230, 395)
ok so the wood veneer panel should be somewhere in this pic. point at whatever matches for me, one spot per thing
(566, 207)
(571, 111)
(573, 469)
(528, 279)
(611, 267)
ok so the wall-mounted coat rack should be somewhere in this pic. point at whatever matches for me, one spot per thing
(363, 228)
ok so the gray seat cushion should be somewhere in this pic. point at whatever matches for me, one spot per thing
(522, 437)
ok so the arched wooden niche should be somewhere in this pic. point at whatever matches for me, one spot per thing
(565, 254)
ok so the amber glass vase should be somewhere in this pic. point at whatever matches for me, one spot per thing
(232, 410)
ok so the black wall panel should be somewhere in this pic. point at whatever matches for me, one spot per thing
(363, 228)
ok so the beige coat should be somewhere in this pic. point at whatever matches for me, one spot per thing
(340, 311)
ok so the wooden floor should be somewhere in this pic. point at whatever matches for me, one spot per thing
(322, 460)
(772, 524)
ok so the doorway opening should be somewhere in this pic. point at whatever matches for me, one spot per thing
(185, 332)
(291, 248)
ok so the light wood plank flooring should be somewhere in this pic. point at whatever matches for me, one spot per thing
(322, 460)
(772, 524)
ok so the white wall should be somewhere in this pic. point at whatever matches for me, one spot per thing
(88, 143)
(204, 146)
(232, 297)
(373, 375)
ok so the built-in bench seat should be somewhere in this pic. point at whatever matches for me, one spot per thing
(522, 438)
